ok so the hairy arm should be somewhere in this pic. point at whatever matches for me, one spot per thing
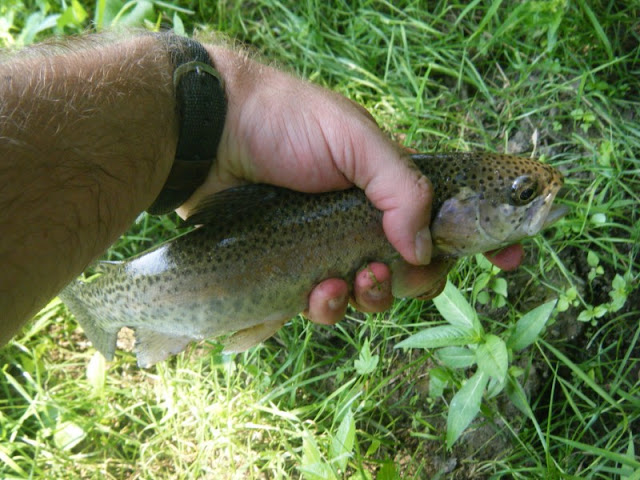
(87, 139)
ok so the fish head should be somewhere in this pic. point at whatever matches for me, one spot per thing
(493, 201)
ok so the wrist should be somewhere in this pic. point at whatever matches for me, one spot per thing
(242, 77)
(200, 111)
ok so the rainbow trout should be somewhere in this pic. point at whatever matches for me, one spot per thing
(261, 249)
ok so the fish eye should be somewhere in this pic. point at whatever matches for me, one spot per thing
(523, 190)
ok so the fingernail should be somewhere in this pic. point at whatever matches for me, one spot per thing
(336, 304)
(379, 290)
(423, 246)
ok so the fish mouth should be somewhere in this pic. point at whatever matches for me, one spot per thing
(555, 214)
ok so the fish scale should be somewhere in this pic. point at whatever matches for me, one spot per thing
(261, 249)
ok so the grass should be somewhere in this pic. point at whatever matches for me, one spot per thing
(554, 78)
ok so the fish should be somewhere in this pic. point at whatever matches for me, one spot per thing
(259, 250)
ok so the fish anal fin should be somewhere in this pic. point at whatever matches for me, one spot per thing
(250, 337)
(153, 347)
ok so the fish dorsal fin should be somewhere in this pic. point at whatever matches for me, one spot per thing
(229, 204)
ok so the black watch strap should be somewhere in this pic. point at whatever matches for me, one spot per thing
(201, 108)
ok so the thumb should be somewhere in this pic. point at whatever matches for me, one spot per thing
(395, 185)
(389, 178)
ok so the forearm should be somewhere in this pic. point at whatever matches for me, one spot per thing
(87, 139)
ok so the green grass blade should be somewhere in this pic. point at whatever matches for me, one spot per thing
(595, 451)
(583, 376)
(602, 36)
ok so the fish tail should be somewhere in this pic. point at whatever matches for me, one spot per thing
(103, 340)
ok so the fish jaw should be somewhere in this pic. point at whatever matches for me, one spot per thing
(555, 214)
(538, 215)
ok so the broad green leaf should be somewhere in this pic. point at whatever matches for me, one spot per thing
(373, 448)
(516, 394)
(499, 285)
(619, 293)
(366, 363)
(68, 435)
(483, 297)
(36, 23)
(178, 26)
(343, 441)
(388, 471)
(492, 357)
(619, 283)
(313, 466)
(454, 308)
(592, 259)
(438, 380)
(495, 386)
(441, 336)
(107, 11)
(530, 325)
(499, 301)
(480, 282)
(465, 405)
(586, 315)
(134, 13)
(601, 310)
(97, 372)
(456, 357)
(361, 475)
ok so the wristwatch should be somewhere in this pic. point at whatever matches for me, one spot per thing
(201, 107)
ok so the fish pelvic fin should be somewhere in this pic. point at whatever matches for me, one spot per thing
(103, 340)
(250, 337)
(153, 347)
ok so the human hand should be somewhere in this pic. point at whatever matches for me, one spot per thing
(287, 132)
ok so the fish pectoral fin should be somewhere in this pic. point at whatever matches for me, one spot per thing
(249, 337)
(228, 205)
(153, 347)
